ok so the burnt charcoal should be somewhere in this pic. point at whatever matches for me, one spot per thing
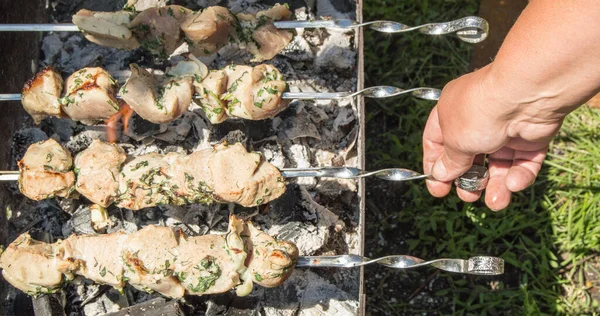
(155, 307)
(49, 305)
(23, 305)
(139, 128)
(79, 223)
(297, 125)
(251, 130)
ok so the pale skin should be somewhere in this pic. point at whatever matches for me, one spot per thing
(548, 65)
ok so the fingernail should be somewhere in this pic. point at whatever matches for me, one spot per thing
(439, 170)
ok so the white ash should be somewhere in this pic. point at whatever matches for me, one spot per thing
(334, 53)
(299, 156)
(141, 5)
(321, 216)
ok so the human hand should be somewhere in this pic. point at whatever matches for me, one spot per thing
(473, 117)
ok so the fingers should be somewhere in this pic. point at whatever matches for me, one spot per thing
(452, 164)
(511, 171)
(433, 147)
(525, 168)
(497, 195)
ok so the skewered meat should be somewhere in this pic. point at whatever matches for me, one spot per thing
(207, 31)
(223, 173)
(242, 177)
(40, 95)
(154, 259)
(162, 102)
(90, 95)
(210, 91)
(259, 35)
(254, 92)
(46, 171)
(158, 29)
(97, 169)
(107, 28)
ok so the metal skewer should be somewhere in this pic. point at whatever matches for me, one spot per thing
(481, 265)
(376, 92)
(471, 29)
(475, 179)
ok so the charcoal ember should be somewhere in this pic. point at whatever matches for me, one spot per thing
(64, 128)
(314, 289)
(298, 124)
(343, 119)
(83, 139)
(79, 223)
(233, 137)
(273, 153)
(298, 49)
(139, 129)
(123, 220)
(252, 130)
(110, 301)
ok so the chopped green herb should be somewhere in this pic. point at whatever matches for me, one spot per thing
(103, 272)
(258, 277)
(139, 165)
(49, 157)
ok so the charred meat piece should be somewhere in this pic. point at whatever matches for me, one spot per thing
(242, 177)
(152, 259)
(154, 101)
(210, 90)
(45, 171)
(254, 92)
(40, 95)
(158, 29)
(207, 31)
(107, 28)
(89, 95)
(259, 35)
(97, 169)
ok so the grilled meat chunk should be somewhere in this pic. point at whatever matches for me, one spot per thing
(210, 90)
(259, 35)
(254, 92)
(45, 171)
(144, 182)
(107, 28)
(242, 177)
(89, 95)
(98, 168)
(156, 102)
(40, 95)
(207, 31)
(270, 261)
(158, 29)
(153, 259)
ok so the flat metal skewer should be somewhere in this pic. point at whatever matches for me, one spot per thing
(481, 265)
(376, 92)
(471, 29)
(475, 179)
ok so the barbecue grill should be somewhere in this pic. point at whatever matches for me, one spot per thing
(324, 217)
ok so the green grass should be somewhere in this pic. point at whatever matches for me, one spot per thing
(550, 235)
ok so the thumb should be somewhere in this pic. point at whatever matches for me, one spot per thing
(452, 164)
